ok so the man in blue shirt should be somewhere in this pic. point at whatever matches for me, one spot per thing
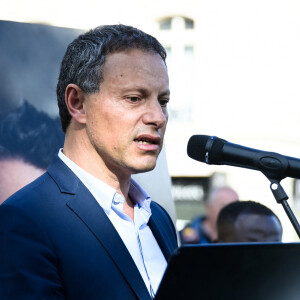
(203, 229)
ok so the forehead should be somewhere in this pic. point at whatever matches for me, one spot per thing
(136, 61)
(254, 223)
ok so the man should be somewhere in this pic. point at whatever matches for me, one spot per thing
(28, 140)
(85, 229)
(248, 221)
(203, 229)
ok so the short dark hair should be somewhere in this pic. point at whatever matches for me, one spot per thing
(229, 214)
(85, 56)
(30, 135)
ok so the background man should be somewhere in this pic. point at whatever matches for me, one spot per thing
(86, 229)
(248, 221)
(203, 229)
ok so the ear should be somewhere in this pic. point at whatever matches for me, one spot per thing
(75, 97)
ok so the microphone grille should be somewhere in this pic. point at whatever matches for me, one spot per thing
(196, 147)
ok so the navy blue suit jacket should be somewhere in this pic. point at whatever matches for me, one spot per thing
(56, 242)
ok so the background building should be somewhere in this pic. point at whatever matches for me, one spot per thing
(234, 68)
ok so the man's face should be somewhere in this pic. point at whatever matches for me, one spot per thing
(126, 120)
(220, 199)
(257, 228)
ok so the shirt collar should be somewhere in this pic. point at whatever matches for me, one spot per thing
(105, 194)
(139, 195)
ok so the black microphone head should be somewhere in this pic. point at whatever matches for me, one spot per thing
(205, 148)
(196, 147)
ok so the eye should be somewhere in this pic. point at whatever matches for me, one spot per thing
(163, 102)
(133, 99)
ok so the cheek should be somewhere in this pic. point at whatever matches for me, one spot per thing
(100, 120)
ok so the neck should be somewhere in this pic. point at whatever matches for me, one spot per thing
(78, 148)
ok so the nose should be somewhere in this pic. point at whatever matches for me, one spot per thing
(155, 114)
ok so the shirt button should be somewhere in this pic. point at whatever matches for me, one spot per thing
(118, 199)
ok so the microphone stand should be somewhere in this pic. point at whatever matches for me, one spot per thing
(281, 197)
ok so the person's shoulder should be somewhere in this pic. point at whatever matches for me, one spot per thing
(197, 220)
(30, 193)
(37, 205)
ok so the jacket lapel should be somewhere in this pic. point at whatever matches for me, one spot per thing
(162, 237)
(85, 206)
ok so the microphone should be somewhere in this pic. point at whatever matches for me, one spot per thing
(215, 151)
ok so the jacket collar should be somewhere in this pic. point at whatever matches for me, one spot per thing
(94, 217)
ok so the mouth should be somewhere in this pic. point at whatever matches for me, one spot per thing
(147, 140)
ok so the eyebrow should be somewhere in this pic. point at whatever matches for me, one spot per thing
(144, 91)
(165, 93)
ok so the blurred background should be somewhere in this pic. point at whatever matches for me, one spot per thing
(234, 73)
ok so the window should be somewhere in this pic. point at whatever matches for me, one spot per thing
(165, 24)
(178, 36)
(189, 23)
(188, 194)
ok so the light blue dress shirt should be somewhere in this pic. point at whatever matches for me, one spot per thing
(137, 236)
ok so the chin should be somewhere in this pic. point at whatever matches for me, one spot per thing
(143, 168)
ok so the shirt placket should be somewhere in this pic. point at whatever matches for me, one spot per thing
(138, 225)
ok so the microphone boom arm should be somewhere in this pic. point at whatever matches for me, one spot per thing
(281, 197)
(213, 150)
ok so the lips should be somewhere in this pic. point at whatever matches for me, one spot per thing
(147, 139)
